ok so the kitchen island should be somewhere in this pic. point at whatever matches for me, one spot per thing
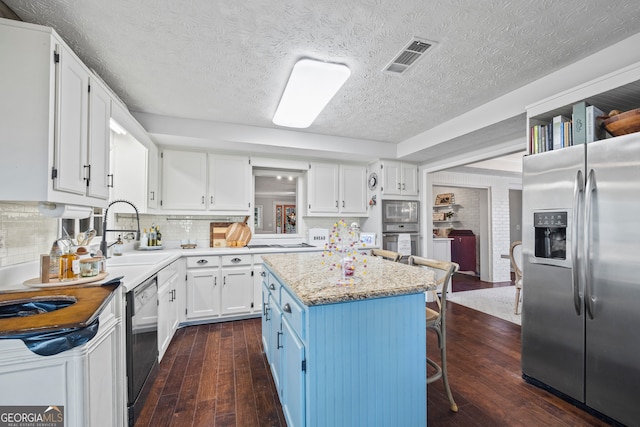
(350, 355)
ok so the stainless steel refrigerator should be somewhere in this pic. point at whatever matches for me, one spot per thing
(581, 269)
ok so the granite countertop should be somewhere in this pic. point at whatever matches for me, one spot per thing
(310, 278)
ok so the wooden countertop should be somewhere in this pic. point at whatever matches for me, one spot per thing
(310, 277)
(90, 300)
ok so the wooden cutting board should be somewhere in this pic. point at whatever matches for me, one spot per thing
(217, 234)
(238, 234)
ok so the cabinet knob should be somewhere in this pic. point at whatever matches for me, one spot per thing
(286, 308)
(202, 261)
(272, 287)
(263, 274)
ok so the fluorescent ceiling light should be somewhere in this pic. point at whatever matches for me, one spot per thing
(115, 126)
(311, 86)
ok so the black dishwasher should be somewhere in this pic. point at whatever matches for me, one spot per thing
(142, 344)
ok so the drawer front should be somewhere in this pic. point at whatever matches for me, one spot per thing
(231, 260)
(292, 311)
(203, 261)
(167, 272)
(274, 286)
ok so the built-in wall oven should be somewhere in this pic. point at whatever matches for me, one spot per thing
(401, 227)
(142, 344)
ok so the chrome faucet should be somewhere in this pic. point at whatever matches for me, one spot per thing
(103, 244)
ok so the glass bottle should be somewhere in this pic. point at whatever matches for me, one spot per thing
(158, 237)
(118, 247)
(152, 235)
(54, 256)
(69, 266)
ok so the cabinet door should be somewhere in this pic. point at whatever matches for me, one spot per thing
(99, 139)
(164, 318)
(391, 177)
(72, 122)
(293, 377)
(103, 406)
(237, 290)
(409, 180)
(229, 183)
(203, 293)
(275, 343)
(152, 177)
(323, 188)
(129, 172)
(184, 180)
(267, 315)
(258, 275)
(353, 181)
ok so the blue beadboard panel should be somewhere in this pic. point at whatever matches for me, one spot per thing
(366, 363)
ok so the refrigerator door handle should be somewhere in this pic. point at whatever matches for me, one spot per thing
(590, 190)
(578, 198)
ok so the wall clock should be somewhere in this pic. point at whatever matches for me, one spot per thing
(373, 181)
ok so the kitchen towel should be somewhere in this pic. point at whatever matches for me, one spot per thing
(404, 244)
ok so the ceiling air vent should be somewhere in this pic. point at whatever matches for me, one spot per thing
(408, 56)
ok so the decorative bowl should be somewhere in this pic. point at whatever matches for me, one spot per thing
(623, 123)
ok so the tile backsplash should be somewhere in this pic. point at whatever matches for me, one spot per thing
(24, 233)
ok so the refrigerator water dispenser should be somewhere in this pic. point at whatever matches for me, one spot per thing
(550, 235)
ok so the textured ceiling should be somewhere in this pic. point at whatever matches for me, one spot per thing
(228, 61)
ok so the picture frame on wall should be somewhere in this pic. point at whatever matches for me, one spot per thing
(445, 199)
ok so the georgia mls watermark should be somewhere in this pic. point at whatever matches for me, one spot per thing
(31, 416)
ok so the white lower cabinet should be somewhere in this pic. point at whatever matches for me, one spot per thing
(88, 380)
(203, 287)
(220, 288)
(168, 306)
(237, 285)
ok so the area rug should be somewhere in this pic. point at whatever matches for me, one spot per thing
(497, 302)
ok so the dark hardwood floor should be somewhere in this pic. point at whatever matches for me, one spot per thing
(216, 375)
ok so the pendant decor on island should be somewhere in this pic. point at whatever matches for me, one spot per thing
(341, 254)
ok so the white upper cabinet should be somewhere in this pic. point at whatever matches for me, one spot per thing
(184, 180)
(54, 130)
(134, 163)
(324, 188)
(153, 193)
(229, 183)
(353, 189)
(399, 178)
(337, 189)
(199, 182)
(99, 138)
(70, 139)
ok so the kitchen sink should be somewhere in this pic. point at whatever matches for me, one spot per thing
(137, 259)
(33, 306)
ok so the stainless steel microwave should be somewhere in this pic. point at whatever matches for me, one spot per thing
(400, 211)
